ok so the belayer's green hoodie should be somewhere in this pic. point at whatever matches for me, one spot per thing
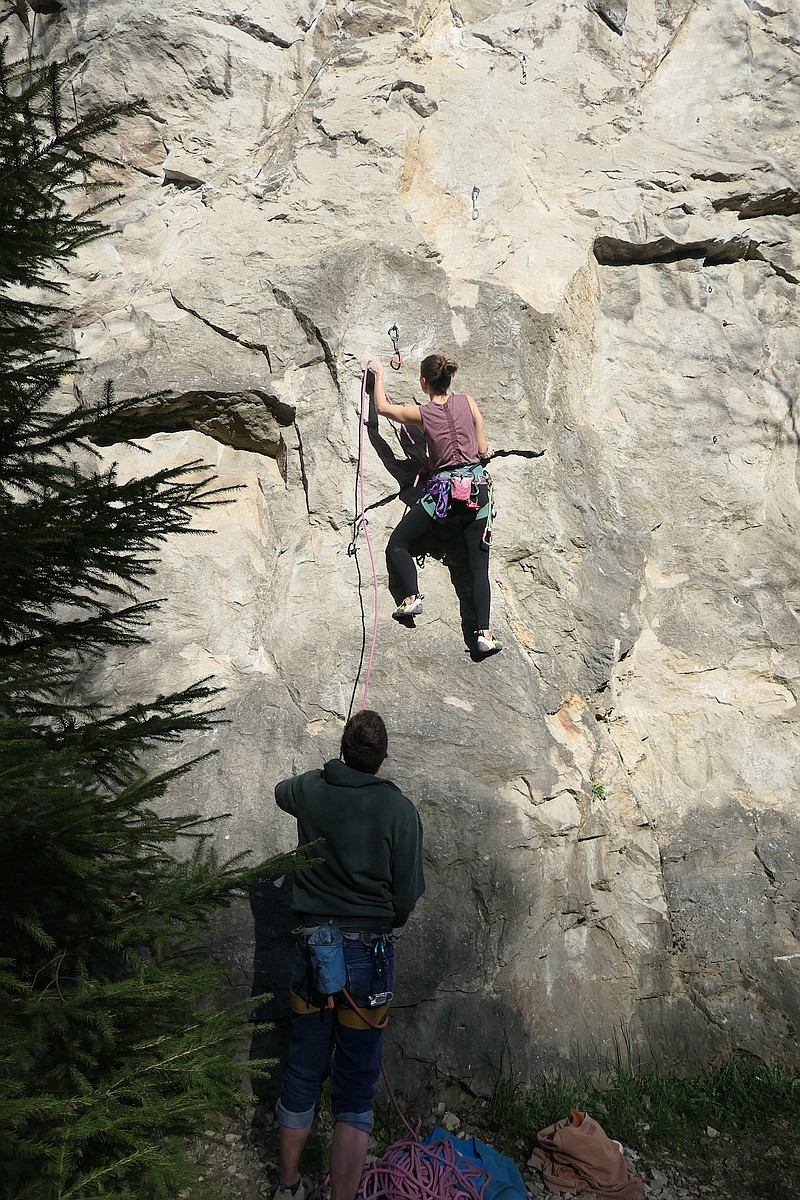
(371, 857)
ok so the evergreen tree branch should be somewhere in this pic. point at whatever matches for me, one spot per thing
(112, 1049)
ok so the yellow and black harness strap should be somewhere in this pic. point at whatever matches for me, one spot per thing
(345, 1015)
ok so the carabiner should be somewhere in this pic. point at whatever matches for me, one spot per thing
(396, 361)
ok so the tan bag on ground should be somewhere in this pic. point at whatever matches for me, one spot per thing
(575, 1155)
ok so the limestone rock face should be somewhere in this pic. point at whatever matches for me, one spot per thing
(594, 207)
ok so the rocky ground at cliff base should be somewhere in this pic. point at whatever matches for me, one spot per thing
(243, 1164)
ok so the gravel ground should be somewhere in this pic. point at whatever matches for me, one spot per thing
(243, 1163)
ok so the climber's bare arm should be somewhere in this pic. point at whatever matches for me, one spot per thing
(484, 448)
(403, 414)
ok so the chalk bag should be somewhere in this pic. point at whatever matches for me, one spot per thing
(461, 487)
(327, 959)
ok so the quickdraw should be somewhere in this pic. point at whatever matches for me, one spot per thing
(359, 526)
(486, 540)
(476, 191)
(524, 64)
(396, 361)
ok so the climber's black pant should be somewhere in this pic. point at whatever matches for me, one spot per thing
(416, 524)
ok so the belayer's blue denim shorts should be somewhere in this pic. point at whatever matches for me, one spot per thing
(322, 1045)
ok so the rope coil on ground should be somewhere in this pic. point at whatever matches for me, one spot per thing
(411, 1170)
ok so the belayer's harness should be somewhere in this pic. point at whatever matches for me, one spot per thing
(329, 973)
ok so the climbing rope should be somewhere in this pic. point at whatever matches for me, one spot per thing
(360, 523)
(410, 1170)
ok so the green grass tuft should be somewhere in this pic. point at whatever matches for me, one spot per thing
(651, 1110)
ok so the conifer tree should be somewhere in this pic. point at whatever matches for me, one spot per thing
(112, 1053)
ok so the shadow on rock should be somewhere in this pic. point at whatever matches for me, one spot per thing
(273, 922)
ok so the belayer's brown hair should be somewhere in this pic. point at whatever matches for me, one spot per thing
(365, 741)
(437, 371)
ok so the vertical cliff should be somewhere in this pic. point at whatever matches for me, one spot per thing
(594, 207)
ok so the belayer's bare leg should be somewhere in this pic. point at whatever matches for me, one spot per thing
(291, 1143)
(348, 1154)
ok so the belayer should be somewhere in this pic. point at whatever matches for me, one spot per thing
(458, 488)
(363, 880)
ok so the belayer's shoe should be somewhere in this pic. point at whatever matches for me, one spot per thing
(301, 1190)
(409, 608)
(488, 645)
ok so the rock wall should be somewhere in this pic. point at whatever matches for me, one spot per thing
(593, 206)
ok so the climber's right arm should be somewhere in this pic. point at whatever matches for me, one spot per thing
(403, 414)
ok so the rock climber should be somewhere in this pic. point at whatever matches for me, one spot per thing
(366, 881)
(458, 488)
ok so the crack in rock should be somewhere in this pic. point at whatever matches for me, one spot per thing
(312, 331)
(763, 10)
(612, 13)
(616, 252)
(518, 453)
(261, 347)
(251, 28)
(783, 203)
(303, 475)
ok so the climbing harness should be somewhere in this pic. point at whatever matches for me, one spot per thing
(476, 191)
(360, 524)
(461, 484)
(396, 361)
(327, 972)
(524, 64)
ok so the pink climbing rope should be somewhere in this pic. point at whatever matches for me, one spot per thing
(411, 1170)
(360, 523)
(363, 524)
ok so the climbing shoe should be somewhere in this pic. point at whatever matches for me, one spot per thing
(300, 1191)
(409, 608)
(488, 645)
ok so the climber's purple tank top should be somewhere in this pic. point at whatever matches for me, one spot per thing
(449, 431)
